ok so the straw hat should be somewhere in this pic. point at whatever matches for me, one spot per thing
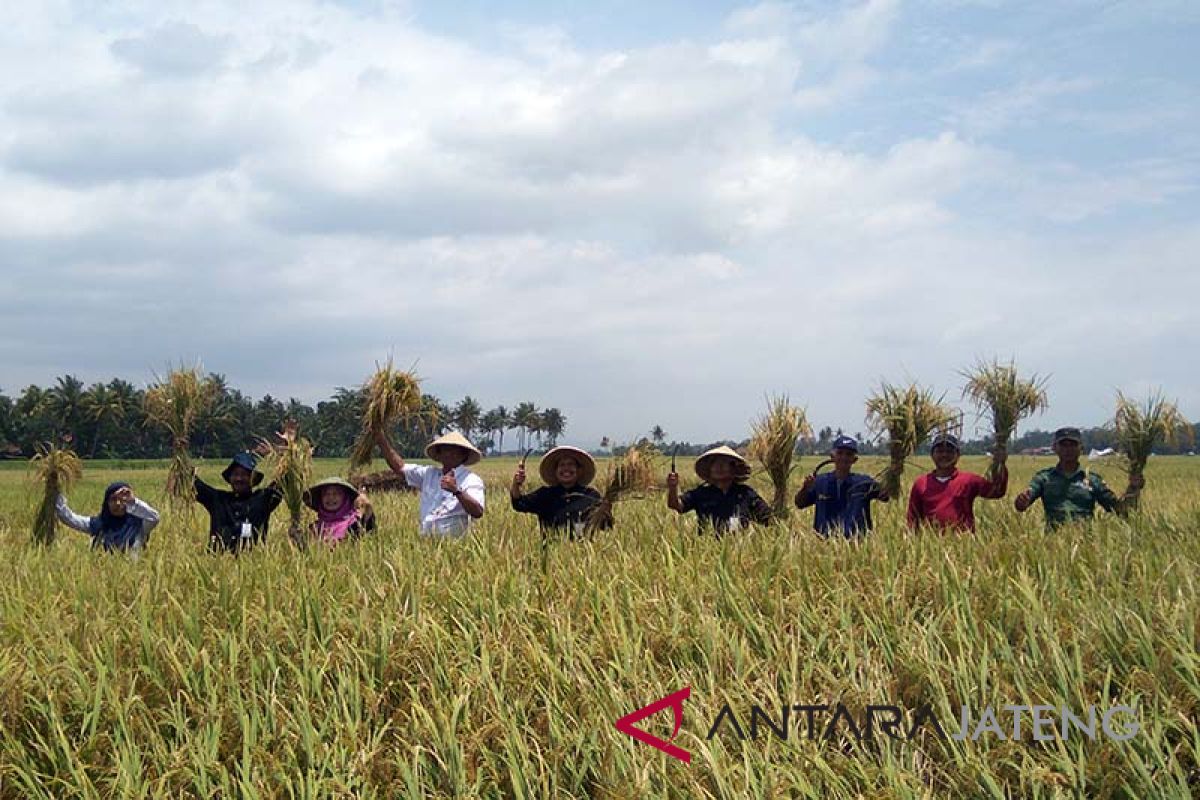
(455, 439)
(549, 465)
(741, 467)
(312, 495)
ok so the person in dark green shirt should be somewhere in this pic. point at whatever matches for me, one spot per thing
(1068, 492)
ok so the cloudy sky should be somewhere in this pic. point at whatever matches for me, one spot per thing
(638, 212)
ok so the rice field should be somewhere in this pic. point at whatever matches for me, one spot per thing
(491, 667)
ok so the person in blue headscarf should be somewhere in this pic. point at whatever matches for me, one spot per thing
(123, 524)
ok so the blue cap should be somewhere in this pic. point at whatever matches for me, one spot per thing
(946, 438)
(845, 443)
(247, 460)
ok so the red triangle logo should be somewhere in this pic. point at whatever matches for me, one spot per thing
(626, 724)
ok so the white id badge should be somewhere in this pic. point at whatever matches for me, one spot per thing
(247, 530)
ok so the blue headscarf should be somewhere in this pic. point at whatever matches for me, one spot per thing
(114, 532)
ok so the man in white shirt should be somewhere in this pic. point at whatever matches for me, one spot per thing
(451, 495)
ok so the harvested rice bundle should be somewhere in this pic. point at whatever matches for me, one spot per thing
(289, 465)
(175, 404)
(908, 415)
(774, 446)
(391, 396)
(1140, 428)
(56, 469)
(999, 392)
(629, 475)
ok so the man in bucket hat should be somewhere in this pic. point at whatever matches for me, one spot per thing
(567, 503)
(238, 518)
(451, 495)
(843, 498)
(945, 498)
(1070, 492)
(723, 502)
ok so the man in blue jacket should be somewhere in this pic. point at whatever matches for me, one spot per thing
(843, 498)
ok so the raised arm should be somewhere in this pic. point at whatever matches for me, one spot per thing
(806, 496)
(393, 458)
(70, 518)
(673, 501)
(1025, 499)
(997, 487)
(142, 510)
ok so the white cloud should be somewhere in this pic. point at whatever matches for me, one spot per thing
(636, 235)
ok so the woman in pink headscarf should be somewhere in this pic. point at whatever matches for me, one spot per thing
(342, 511)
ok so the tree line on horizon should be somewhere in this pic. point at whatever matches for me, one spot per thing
(108, 420)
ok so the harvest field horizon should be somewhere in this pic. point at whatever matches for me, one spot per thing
(492, 667)
(807, 387)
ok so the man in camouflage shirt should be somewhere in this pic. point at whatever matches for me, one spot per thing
(1070, 493)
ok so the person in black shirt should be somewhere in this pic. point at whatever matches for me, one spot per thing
(723, 502)
(238, 518)
(566, 504)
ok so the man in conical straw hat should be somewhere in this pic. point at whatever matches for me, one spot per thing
(567, 503)
(723, 502)
(451, 495)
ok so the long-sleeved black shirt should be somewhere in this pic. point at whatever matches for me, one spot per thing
(237, 521)
(716, 509)
(560, 509)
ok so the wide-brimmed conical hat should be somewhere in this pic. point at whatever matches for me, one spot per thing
(455, 439)
(741, 469)
(549, 464)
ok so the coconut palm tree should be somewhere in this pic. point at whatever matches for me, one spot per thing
(658, 435)
(65, 403)
(553, 423)
(491, 423)
(525, 419)
(466, 415)
(105, 408)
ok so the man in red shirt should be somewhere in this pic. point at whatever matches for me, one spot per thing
(945, 498)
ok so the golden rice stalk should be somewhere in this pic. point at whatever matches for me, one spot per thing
(175, 403)
(289, 466)
(56, 469)
(773, 444)
(1142, 427)
(391, 396)
(629, 475)
(908, 415)
(998, 391)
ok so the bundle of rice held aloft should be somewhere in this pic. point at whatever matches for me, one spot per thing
(175, 404)
(774, 445)
(1141, 428)
(629, 475)
(391, 396)
(57, 469)
(289, 465)
(907, 415)
(997, 390)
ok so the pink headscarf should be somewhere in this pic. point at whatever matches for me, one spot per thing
(332, 526)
